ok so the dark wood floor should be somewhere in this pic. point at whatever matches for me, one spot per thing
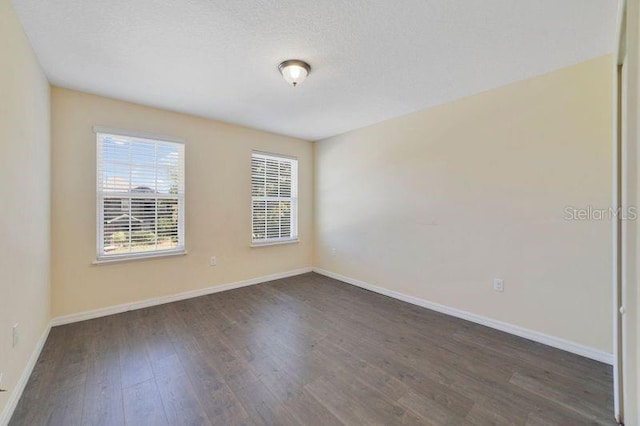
(305, 350)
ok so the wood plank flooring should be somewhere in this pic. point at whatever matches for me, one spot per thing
(305, 350)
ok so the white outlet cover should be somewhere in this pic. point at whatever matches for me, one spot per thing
(212, 261)
(498, 284)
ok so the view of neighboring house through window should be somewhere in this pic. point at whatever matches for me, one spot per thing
(140, 196)
(274, 193)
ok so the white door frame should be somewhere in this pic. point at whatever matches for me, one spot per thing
(618, 203)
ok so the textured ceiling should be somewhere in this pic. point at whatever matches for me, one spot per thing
(372, 59)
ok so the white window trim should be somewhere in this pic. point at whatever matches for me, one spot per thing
(125, 257)
(136, 134)
(139, 256)
(294, 201)
(277, 242)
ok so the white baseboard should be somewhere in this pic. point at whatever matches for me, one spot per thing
(526, 333)
(102, 312)
(12, 403)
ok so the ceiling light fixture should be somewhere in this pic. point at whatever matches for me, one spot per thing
(294, 71)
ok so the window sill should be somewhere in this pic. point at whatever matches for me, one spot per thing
(275, 243)
(134, 257)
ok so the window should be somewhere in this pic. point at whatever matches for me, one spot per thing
(140, 188)
(274, 196)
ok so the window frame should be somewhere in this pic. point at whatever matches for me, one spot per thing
(294, 199)
(101, 256)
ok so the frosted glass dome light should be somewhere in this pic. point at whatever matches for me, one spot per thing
(294, 71)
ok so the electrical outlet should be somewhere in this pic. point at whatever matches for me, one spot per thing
(212, 261)
(16, 334)
(333, 251)
(498, 284)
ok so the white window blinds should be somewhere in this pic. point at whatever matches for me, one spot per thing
(274, 191)
(140, 191)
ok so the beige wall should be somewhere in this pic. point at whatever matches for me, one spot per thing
(24, 195)
(218, 206)
(438, 203)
